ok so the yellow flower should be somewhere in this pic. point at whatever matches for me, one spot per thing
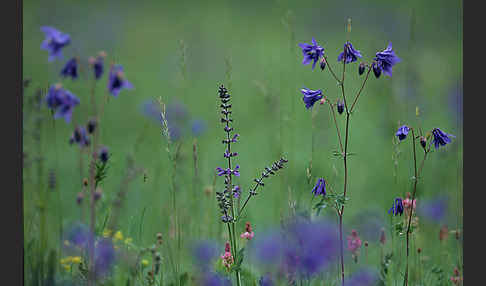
(145, 262)
(67, 267)
(128, 240)
(118, 236)
(66, 243)
(76, 259)
(106, 232)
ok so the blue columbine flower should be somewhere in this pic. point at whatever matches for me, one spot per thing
(80, 137)
(70, 69)
(441, 138)
(386, 59)
(311, 52)
(104, 155)
(54, 42)
(61, 101)
(352, 55)
(98, 67)
(320, 187)
(402, 132)
(310, 96)
(117, 81)
(397, 207)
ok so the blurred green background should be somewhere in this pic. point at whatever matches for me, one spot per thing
(260, 41)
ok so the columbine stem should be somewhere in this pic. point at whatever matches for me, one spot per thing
(359, 92)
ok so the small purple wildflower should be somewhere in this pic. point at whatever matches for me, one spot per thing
(228, 154)
(78, 234)
(98, 64)
(236, 191)
(198, 127)
(311, 53)
(228, 171)
(235, 138)
(310, 96)
(351, 54)
(61, 101)
(266, 280)
(402, 132)
(386, 59)
(54, 42)
(363, 277)
(397, 207)
(104, 155)
(434, 209)
(319, 188)
(104, 256)
(70, 69)
(204, 252)
(441, 138)
(213, 279)
(117, 81)
(80, 137)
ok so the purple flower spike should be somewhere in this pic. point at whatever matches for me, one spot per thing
(70, 69)
(319, 188)
(441, 138)
(402, 132)
(386, 60)
(310, 96)
(54, 42)
(117, 81)
(311, 53)
(220, 171)
(352, 55)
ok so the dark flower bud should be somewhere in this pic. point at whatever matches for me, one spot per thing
(340, 106)
(97, 194)
(376, 70)
(323, 64)
(419, 250)
(423, 142)
(91, 126)
(366, 244)
(104, 156)
(79, 198)
(361, 68)
(85, 182)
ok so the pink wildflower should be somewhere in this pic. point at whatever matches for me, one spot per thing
(354, 244)
(407, 203)
(227, 257)
(248, 234)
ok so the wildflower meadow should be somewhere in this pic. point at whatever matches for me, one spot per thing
(242, 143)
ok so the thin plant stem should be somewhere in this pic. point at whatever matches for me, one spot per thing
(361, 89)
(337, 127)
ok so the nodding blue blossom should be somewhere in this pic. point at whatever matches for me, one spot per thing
(397, 207)
(204, 252)
(376, 69)
(363, 277)
(440, 138)
(434, 209)
(340, 106)
(80, 137)
(104, 256)
(117, 81)
(350, 53)
(311, 52)
(386, 59)
(91, 126)
(54, 42)
(70, 69)
(266, 280)
(402, 132)
(213, 279)
(61, 101)
(301, 248)
(310, 96)
(319, 188)
(104, 155)
(228, 171)
(198, 127)
(98, 65)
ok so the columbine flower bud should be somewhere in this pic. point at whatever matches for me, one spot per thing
(85, 182)
(91, 126)
(423, 142)
(419, 250)
(376, 70)
(323, 64)
(79, 198)
(97, 194)
(340, 106)
(361, 68)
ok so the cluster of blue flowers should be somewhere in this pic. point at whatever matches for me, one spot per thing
(60, 100)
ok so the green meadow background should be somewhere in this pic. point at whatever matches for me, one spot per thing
(251, 47)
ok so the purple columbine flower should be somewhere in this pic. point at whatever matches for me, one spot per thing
(385, 60)
(320, 187)
(80, 137)
(311, 52)
(61, 101)
(402, 132)
(104, 155)
(397, 207)
(54, 42)
(70, 69)
(117, 81)
(351, 54)
(310, 96)
(441, 138)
